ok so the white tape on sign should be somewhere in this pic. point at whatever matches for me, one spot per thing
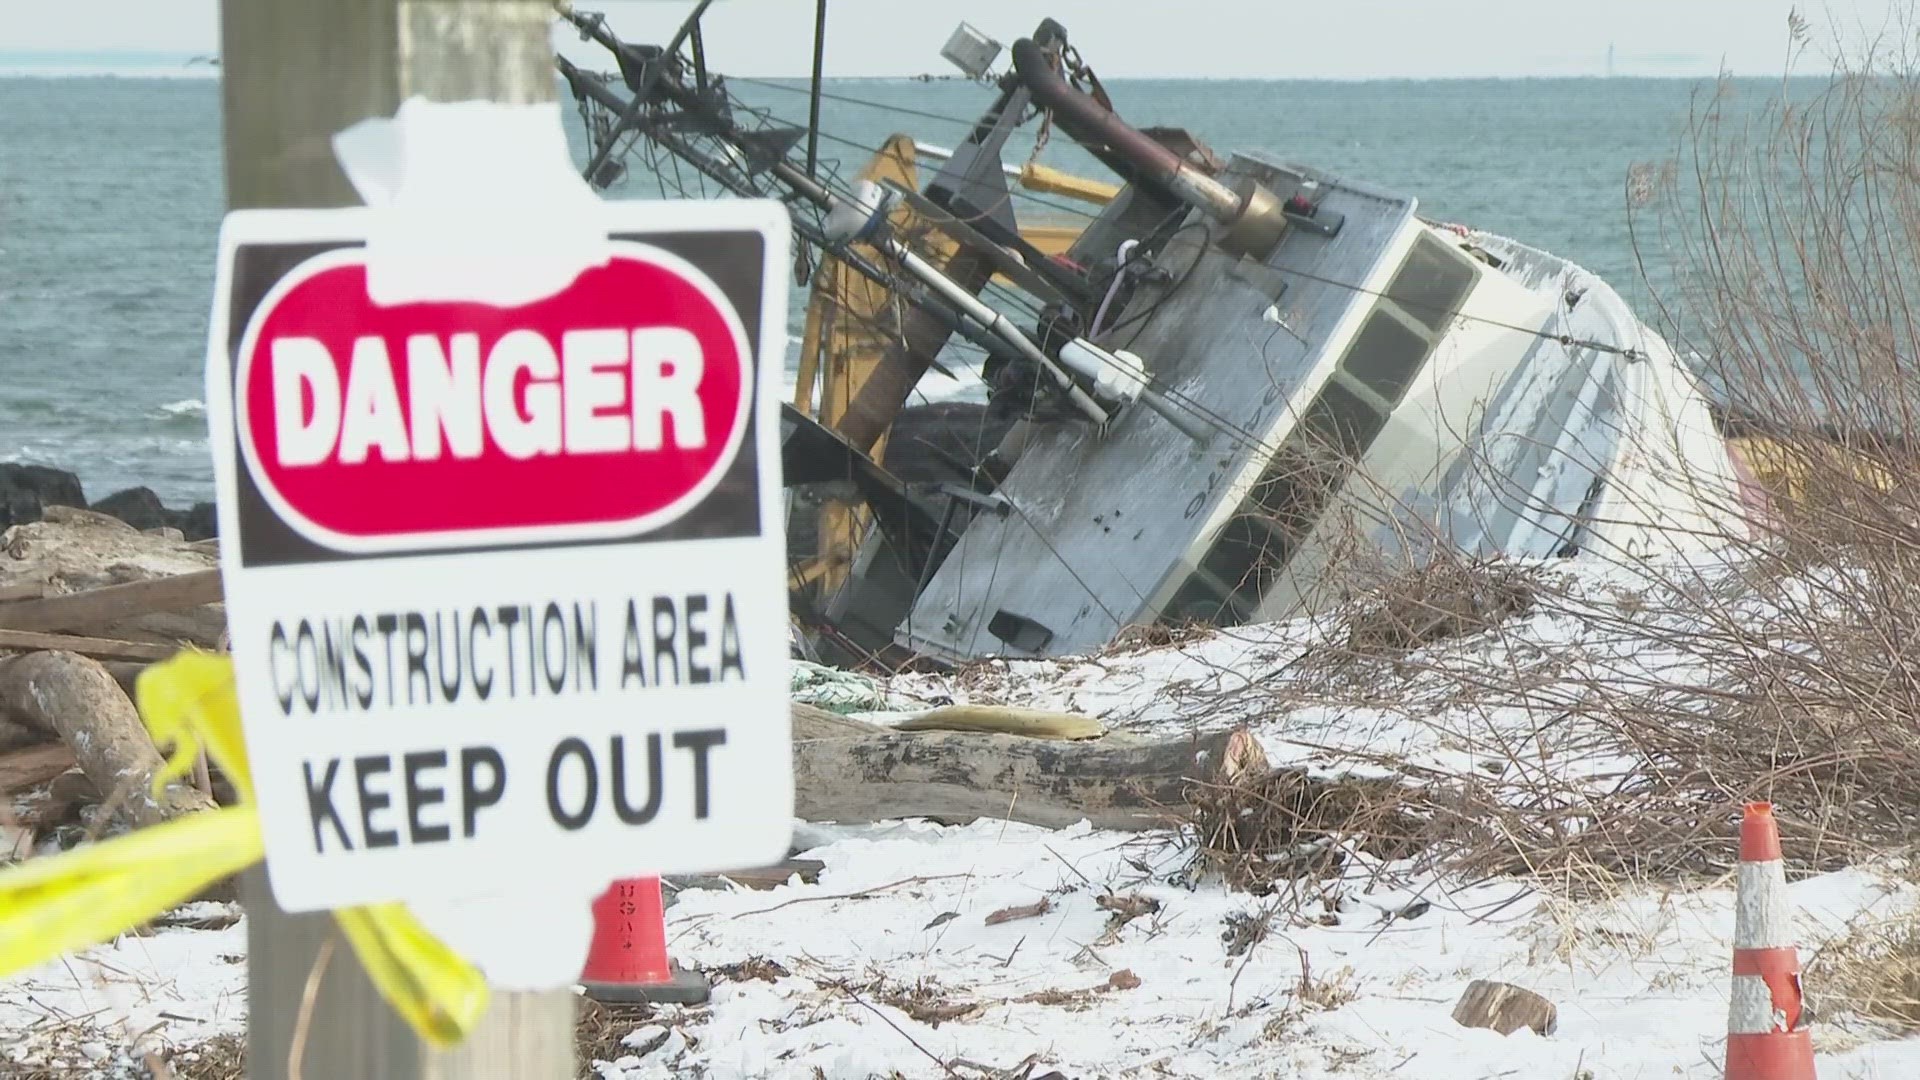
(436, 168)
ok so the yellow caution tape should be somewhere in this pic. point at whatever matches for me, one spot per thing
(91, 894)
(188, 703)
(53, 905)
(439, 994)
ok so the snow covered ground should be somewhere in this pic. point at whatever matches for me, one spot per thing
(897, 928)
(1000, 949)
(96, 1012)
(890, 961)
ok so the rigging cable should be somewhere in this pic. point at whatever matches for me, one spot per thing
(1012, 192)
(1568, 340)
(882, 106)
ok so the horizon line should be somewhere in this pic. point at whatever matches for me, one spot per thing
(206, 70)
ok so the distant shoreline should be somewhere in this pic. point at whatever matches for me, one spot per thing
(75, 65)
(66, 65)
(16, 75)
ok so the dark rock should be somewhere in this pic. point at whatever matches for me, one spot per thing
(27, 490)
(138, 507)
(196, 523)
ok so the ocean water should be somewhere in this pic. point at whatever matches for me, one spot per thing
(111, 197)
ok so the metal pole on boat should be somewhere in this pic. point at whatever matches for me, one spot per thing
(986, 316)
(813, 104)
(864, 218)
(1011, 334)
(1126, 377)
(294, 72)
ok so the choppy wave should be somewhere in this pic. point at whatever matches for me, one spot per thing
(183, 407)
(30, 406)
(32, 452)
(176, 469)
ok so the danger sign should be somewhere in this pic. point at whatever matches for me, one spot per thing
(506, 585)
(383, 429)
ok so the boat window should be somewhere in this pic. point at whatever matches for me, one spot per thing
(1385, 355)
(1284, 505)
(1342, 420)
(1433, 282)
(1247, 555)
(1197, 601)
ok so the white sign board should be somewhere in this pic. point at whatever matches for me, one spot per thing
(506, 585)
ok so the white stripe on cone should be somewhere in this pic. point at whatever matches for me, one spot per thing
(1751, 1011)
(1762, 917)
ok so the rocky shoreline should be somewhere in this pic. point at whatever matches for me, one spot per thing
(27, 490)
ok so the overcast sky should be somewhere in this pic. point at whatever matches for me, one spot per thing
(1244, 38)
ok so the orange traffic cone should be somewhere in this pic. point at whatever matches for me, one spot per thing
(1765, 1040)
(627, 961)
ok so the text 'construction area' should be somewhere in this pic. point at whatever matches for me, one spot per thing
(406, 659)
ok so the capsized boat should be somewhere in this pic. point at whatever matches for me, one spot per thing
(1250, 383)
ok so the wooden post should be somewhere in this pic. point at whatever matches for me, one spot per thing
(294, 73)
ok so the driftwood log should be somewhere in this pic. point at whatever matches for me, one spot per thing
(112, 604)
(848, 771)
(76, 585)
(91, 575)
(99, 648)
(33, 766)
(845, 770)
(15, 734)
(78, 700)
